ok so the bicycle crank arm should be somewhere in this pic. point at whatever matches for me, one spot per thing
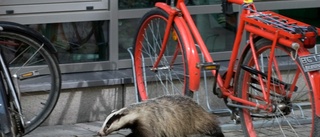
(212, 66)
(273, 80)
(161, 68)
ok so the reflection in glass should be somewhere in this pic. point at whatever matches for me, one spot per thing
(78, 41)
(217, 30)
(127, 31)
(309, 15)
(134, 4)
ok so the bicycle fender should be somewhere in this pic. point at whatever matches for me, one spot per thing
(247, 48)
(190, 48)
(191, 53)
(165, 7)
(315, 80)
(244, 52)
(24, 30)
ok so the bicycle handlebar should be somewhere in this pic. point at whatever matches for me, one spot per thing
(227, 5)
(239, 2)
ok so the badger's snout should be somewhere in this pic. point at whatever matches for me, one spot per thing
(101, 133)
(103, 130)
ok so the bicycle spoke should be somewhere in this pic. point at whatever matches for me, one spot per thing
(33, 69)
(288, 88)
(159, 70)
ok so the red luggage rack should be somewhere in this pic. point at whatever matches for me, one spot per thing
(269, 24)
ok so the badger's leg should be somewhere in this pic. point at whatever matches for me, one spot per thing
(140, 129)
(216, 132)
(130, 135)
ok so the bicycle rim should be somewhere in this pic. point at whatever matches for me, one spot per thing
(35, 74)
(294, 110)
(171, 75)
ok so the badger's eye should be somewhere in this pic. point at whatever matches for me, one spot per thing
(108, 125)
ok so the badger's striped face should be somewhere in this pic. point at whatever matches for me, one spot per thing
(117, 120)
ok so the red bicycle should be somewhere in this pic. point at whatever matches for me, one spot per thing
(275, 71)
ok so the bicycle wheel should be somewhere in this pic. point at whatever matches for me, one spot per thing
(35, 74)
(171, 75)
(291, 96)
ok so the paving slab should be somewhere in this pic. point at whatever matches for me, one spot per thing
(90, 129)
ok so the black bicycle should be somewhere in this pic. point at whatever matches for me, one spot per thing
(31, 80)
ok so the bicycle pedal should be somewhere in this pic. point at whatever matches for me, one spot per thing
(28, 75)
(212, 66)
(209, 66)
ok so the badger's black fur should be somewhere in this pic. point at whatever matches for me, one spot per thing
(166, 116)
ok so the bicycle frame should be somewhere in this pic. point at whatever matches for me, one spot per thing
(180, 15)
(5, 124)
(8, 91)
(7, 128)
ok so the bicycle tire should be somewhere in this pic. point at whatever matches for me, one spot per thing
(35, 73)
(167, 79)
(286, 120)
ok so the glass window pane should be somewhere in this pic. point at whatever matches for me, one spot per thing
(78, 41)
(127, 31)
(217, 30)
(15, 2)
(134, 4)
(309, 15)
(203, 2)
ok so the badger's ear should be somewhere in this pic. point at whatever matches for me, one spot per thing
(119, 113)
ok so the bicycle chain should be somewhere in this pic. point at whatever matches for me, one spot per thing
(17, 120)
(20, 128)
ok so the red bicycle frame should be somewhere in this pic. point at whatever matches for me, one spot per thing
(181, 16)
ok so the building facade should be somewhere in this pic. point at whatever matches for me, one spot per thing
(92, 38)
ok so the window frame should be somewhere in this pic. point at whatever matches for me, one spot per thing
(15, 7)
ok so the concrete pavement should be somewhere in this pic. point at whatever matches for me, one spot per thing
(229, 128)
(90, 130)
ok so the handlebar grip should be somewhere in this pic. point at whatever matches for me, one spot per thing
(226, 7)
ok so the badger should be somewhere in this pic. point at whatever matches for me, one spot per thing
(165, 116)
